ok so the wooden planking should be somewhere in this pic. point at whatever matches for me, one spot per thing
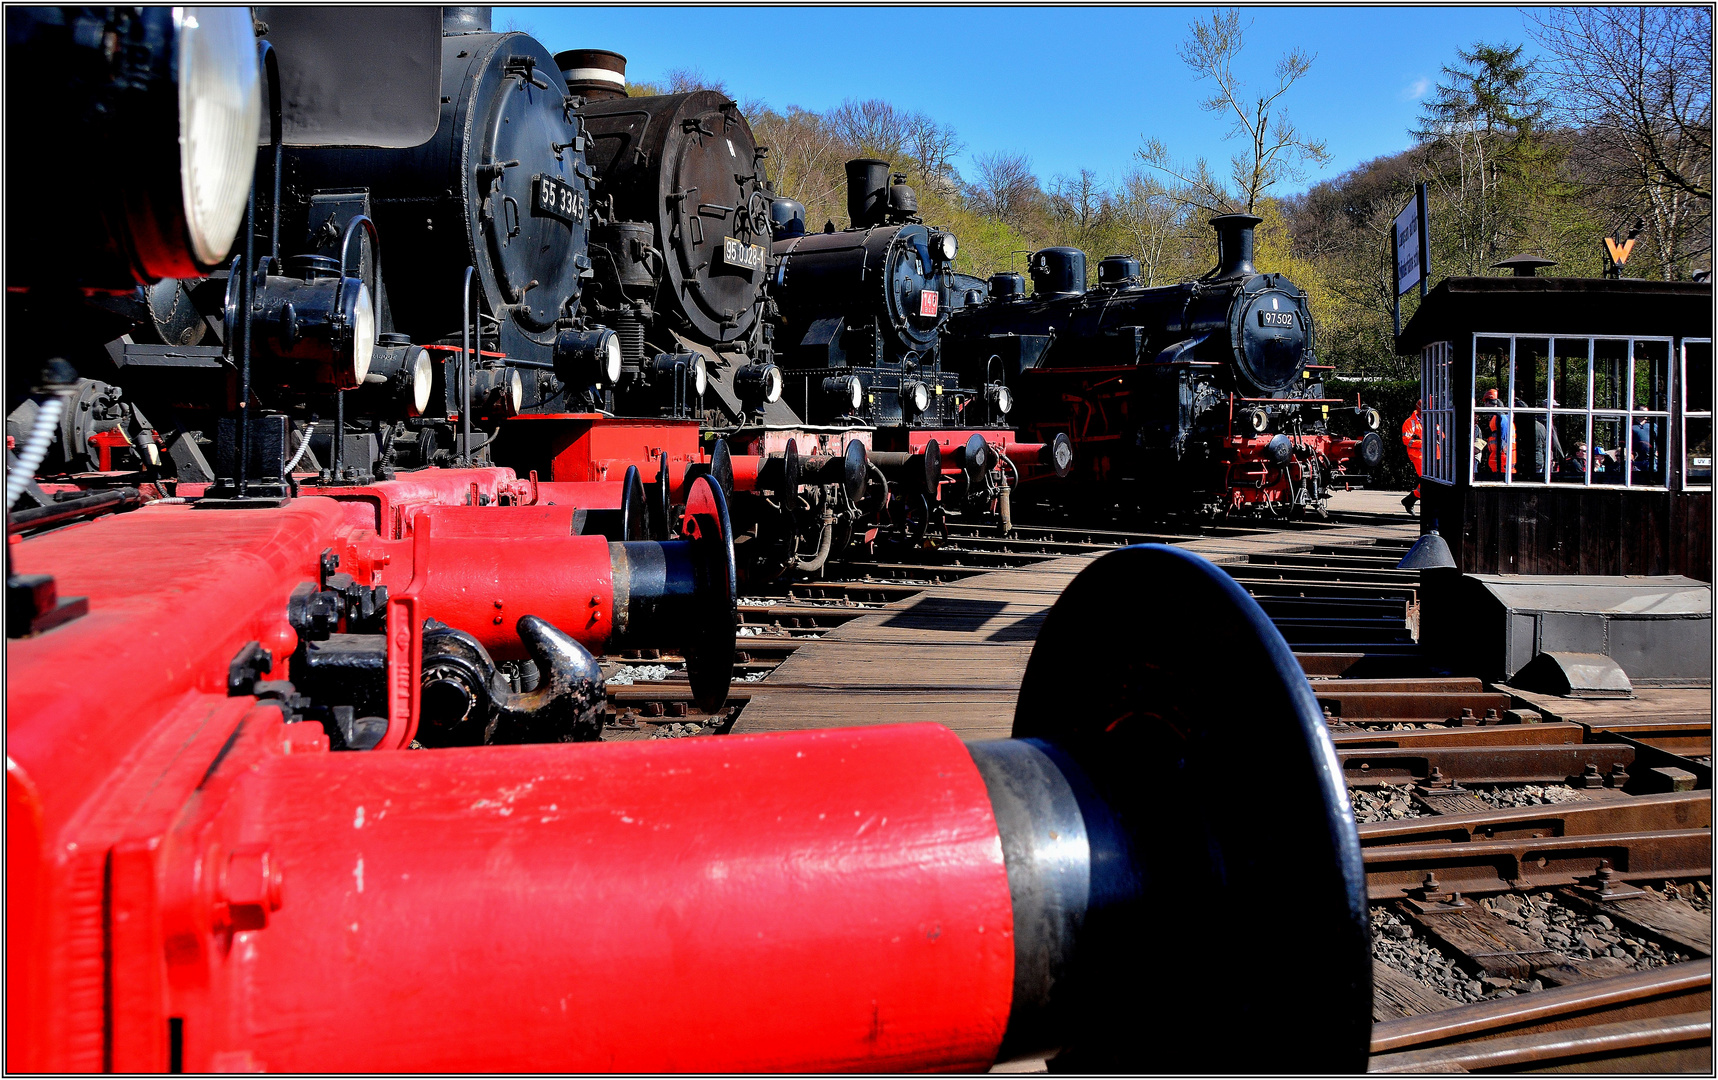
(953, 654)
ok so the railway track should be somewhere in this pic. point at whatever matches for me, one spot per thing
(1540, 886)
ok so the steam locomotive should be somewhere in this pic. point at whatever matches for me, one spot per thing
(1205, 393)
(220, 868)
(489, 282)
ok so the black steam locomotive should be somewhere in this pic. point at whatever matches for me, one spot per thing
(861, 309)
(1208, 390)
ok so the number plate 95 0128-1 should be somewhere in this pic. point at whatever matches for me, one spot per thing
(555, 197)
(1277, 318)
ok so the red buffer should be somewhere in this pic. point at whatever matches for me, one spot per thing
(197, 881)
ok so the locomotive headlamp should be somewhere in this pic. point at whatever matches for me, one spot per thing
(947, 246)
(845, 390)
(502, 390)
(297, 322)
(1000, 397)
(1257, 419)
(700, 377)
(220, 103)
(362, 337)
(588, 357)
(758, 384)
(423, 380)
(1374, 419)
(918, 395)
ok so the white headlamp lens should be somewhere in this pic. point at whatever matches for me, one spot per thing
(611, 359)
(700, 379)
(423, 379)
(220, 107)
(856, 392)
(515, 391)
(772, 384)
(949, 246)
(1004, 400)
(921, 397)
(363, 334)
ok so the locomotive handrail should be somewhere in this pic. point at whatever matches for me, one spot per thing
(343, 330)
(466, 322)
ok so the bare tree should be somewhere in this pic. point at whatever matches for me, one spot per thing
(686, 80)
(1637, 83)
(1005, 188)
(1077, 200)
(1276, 149)
(1154, 222)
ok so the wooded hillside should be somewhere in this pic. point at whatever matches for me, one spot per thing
(1611, 137)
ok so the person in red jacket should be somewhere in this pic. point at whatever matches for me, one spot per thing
(1413, 435)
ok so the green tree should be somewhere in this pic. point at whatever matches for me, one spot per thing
(1483, 153)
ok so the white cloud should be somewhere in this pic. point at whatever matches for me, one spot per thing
(1416, 90)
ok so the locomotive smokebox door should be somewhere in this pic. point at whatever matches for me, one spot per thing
(689, 165)
(1273, 336)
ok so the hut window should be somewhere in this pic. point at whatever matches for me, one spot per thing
(1575, 410)
(1697, 413)
(1437, 414)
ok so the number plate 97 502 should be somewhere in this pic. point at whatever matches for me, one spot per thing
(1276, 318)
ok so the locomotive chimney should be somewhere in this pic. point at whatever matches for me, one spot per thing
(1235, 244)
(465, 20)
(593, 74)
(867, 191)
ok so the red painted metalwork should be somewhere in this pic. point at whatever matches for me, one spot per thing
(587, 446)
(192, 882)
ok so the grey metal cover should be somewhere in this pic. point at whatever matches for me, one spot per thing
(357, 76)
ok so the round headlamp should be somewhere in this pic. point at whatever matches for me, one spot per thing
(220, 106)
(611, 359)
(947, 246)
(362, 320)
(759, 384)
(1374, 419)
(845, 390)
(1258, 419)
(700, 378)
(918, 395)
(1001, 399)
(586, 358)
(423, 380)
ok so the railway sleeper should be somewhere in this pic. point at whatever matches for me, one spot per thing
(1431, 705)
(1433, 873)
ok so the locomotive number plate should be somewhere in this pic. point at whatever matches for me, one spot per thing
(555, 197)
(742, 256)
(1276, 318)
(928, 303)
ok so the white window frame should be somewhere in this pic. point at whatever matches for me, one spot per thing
(1437, 414)
(1625, 415)
(1699, 414)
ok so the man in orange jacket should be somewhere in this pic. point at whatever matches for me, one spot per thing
(1413, 435)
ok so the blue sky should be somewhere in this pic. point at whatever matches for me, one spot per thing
(1069, 86)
